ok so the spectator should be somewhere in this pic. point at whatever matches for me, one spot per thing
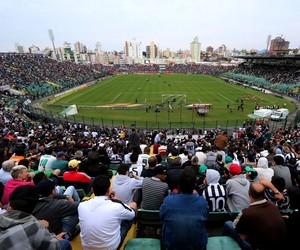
(20, 177)
(263, 170)
(154, 189)
(143, 158)
(20, 230)
(75, 178)
(5, 175)
(135, 167)
(134, 141)
(294, 194)
(214, 193)
(60, 163)
(237, 189)
(104, 221)
(47, 159)
(260, 226)
(149, 172)
(178, 209)
(124, 186)
(282, 171)
(61, 214)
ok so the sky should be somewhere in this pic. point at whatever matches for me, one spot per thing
(173, 24)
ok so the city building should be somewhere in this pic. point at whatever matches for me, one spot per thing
(279, 46)
(195, 49)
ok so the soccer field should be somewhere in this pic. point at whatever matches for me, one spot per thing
(122, 100)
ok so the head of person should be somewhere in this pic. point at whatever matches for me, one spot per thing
(39, 177)
(123, 169)
(174, 151)
(219, 158)
(187, 180)
(158, 159)
(160, 172)
(46, 187)
(278, 159)
(147, 150)
(278, 182)
(212, 176)
(60, 155)
(8, 165)
(101, 185)
(73, 165)
(195, 161)
(262, 163)
(228, 159)
(78, 154)
(134, 157)
(251, 172)
(23, 198)
(235, 169)
(19, 172)
(152, 162)
(256, 191)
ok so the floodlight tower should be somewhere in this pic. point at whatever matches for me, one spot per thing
(268, 42)
(51, 36)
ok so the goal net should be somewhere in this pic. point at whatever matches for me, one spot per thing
(173, 98)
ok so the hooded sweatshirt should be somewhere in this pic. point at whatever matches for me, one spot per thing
(19, 230)
(237, 188)
(214, 193)
(263, 170)
(124, 187)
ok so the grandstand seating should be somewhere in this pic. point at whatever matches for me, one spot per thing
(143, 244)
(148, 223)
(222, 243)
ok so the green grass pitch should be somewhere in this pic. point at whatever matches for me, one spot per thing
(140, 90)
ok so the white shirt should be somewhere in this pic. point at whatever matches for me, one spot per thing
(143, 159)
(137, 168)
(100, 222)
(4, 176)
(46, 162)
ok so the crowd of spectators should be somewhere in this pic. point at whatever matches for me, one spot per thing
(271, 73)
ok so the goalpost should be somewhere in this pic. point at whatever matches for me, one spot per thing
(173, 98)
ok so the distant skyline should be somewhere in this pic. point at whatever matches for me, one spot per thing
(238, 24)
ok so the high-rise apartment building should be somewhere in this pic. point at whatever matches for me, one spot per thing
(195, 49)
(151, 51)
(133, 50)
(279, 46)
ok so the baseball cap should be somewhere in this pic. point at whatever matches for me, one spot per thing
(160, 170)
(73, 163)
(60, 154)
(250, 169)
(228, 159)
(202, 169)
(235, 169)
(45, 187)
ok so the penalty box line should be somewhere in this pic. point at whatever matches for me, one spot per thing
(115, 98)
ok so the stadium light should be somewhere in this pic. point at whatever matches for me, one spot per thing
(51, 37)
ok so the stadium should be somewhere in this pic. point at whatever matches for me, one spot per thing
(148, 97)
(79, 111)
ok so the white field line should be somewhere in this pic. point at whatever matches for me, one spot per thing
(225, 97)
(115, 98)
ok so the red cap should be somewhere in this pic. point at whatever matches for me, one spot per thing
(235, 169)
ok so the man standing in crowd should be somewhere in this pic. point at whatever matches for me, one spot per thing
(104, 221)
